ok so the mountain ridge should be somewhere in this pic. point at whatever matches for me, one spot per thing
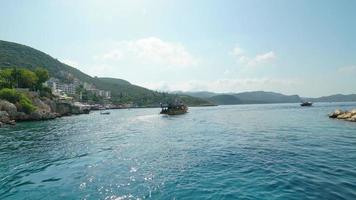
(259, 97)
(225, 99)
(22, 56)
(19, 55)
(334, 98)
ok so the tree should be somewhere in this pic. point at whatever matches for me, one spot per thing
(6, 79)
(42, 75)
(80, 89)
(13, 78)
(2, 83)
(26, 78)
(22, 102)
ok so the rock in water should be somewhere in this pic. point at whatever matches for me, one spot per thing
(352, 118)
(336, 113)
(344, 115)
(45, 109)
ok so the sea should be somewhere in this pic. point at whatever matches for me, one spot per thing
(270, 151)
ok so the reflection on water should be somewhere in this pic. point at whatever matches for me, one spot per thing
(227, 152)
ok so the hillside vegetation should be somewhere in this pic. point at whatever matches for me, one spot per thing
(17, 55)
(334, 98)
(256, 97)
(266, 97)
(225, 99)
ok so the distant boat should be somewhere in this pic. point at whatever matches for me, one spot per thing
(105, 113)
(86, 111)
(306, 103)
(174, 109)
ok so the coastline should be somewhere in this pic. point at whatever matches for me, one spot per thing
(48, 109)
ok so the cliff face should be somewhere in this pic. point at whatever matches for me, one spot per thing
(45, 109)
(65, 109)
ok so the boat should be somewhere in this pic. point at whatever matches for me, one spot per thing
(174, 109)
(306, 103)
(86, 110)
(105, 113)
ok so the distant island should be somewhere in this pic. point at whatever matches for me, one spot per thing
(263, 97)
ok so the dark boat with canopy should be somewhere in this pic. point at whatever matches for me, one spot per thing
(176, 108)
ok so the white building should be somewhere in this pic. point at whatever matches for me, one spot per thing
(59, 88)
(103, 93)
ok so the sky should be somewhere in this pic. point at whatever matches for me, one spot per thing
(293, 47)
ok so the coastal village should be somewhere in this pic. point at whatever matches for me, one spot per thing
(27, 95)
(73, 93)
(69, 90)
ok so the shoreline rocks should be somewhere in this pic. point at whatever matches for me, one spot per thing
(4, 117)
(344, 115)
(47, 109)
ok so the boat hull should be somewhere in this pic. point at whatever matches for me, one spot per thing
(173, 112)
(176, 110)
(306, 104)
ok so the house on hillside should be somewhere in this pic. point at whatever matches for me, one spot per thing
(102, 93)
(59, 88)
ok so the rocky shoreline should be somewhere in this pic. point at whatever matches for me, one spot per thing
(46, 109)
(344, 115)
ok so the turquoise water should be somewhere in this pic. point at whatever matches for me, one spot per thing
(277, 151)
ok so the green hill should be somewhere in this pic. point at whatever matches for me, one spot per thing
(199, 94)
(266, 97)
(225, 99)
(255, 97)
(17, 55)
(334, 98)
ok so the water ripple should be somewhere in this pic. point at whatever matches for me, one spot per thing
(226, 152)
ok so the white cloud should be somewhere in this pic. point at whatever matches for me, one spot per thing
(115, 55)
(92, 69)
(151, 50)
(259, 59)
(237, 51)
(226, 85)
(266, 57)
(161, 52)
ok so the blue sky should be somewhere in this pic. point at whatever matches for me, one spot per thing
(294, 47)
